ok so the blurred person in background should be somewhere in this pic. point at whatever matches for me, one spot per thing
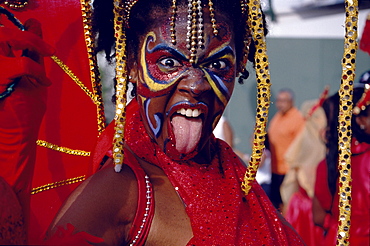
(326, 201)
(284, 127)
(303, 156)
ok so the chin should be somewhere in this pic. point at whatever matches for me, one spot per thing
(201, 154)
(171, 151)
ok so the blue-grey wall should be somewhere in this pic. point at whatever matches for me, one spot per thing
(304, 65)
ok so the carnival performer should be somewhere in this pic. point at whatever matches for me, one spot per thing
(297, 189)
(284, 127)
(178, 184)
(326, 200)
(45, 141)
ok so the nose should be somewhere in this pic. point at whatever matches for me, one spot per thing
(194, 83)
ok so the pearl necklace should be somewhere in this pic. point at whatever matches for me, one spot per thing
(149, 199)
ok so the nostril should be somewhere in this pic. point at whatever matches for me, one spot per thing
(196, 91)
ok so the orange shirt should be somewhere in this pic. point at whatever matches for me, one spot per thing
(282, 131)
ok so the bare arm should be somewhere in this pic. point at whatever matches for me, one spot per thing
(102, 208)
(229, 135)
(318, 213)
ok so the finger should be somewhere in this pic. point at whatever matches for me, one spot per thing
(14, 67)
(5, 50)
(24, 40)
(33, 26)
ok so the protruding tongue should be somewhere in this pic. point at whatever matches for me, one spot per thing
(187, 133)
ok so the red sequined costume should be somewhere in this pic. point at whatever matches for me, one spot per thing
(219, 212)
(50, 173)
(11, 216)
(360, 202)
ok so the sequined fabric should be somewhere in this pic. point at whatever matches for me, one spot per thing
(220, 214)
(12, 229)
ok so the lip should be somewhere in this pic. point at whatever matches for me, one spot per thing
(201, 107)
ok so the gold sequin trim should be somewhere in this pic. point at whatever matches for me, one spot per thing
(94, 71)
(65, 150)
(16, 5)
(263, 90)
(344, 120)
(121, 16)
(68, 71)
(57, 184)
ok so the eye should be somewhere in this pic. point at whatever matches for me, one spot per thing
(219, 64)
(169, 62)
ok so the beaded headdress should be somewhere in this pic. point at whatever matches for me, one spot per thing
(319, 102)
(363, 102)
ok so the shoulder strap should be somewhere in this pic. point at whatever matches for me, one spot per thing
(145, 207)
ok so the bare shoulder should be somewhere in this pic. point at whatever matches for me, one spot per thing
(104, 205)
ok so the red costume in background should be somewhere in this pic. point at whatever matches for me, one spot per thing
(299, 215)
(70, 119)
(10, 217)
(360, 202)
(365, 38)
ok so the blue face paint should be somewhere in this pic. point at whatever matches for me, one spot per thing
(158, 117)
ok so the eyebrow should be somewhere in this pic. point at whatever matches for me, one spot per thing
(172, 51)
(227, 50)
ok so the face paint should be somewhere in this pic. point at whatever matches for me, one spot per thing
(181, 101)
(158, 76)
(219, 85)
(158, 117)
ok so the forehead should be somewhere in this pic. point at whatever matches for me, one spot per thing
(164, 13)
(284, 95)
(163, 20)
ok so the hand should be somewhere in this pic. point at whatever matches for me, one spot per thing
(22, 53)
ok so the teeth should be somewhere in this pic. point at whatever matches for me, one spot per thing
(195, 113)
(189, 112)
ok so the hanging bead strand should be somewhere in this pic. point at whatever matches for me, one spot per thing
(344, 120)
(263, 91)
(121, 17)
(188, 25)
(193, 38)
(213, 19)
(200, 37)
(172, 24)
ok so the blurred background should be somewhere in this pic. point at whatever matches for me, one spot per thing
(305, 45)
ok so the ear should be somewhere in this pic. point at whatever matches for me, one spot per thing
(322, 134)
(361, 121)
(134, 75)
